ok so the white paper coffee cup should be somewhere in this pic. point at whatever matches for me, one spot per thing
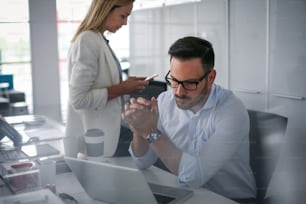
(94, 140)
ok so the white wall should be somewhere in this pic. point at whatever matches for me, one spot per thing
(152, 31)
(267, 51)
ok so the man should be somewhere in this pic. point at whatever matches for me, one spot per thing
(198, 130)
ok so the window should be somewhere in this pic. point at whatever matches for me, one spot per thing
(15, 57)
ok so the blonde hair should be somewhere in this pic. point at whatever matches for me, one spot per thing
(97, 13)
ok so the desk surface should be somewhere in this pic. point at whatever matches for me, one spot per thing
(152, 175)
(67, 182)
(39, 129)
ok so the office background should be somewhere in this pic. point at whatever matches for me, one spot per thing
(260, 55)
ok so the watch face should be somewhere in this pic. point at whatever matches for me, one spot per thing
(153, 136)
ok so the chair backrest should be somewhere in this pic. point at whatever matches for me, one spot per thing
(9, 79)
(153, 89)
(267, 134)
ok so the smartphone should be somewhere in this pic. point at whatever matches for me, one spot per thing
(151, 77)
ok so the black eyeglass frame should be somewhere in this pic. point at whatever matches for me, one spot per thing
(196, 82)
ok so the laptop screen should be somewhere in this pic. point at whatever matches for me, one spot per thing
(6, 130)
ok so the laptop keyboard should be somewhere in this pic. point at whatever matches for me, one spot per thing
(162, 199)
(11, 155)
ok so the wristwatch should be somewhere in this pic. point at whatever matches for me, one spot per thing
(153, 136)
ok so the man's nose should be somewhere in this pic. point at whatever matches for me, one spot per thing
(180, 90)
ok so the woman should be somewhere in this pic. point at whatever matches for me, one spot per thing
(96, 89)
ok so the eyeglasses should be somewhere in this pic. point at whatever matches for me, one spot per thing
(189, 85)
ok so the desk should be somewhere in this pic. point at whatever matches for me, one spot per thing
(159, 176)
(67, 182)
(43, 130)
(152, 175)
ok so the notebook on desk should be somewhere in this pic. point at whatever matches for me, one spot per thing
(118, 184)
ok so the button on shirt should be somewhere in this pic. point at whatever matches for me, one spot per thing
(214, 141)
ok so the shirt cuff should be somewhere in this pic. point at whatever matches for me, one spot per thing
(146, 160)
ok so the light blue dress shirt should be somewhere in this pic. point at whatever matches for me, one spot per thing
(214, 141)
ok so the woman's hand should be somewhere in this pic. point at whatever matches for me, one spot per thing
(129, 86)
(134, 84)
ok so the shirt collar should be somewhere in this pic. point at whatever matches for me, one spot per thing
(212, 98)
(211, 101)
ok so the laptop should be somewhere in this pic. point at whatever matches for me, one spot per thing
(119, 184)
(30, 151)
(15, 146)
(36, 127)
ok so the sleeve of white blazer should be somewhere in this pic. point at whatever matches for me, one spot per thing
(84, 60)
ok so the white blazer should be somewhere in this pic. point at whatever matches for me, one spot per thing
(92, 68)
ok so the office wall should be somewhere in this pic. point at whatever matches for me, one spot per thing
(260, 55)
(287, 93)
(152, 31)
(267, 50)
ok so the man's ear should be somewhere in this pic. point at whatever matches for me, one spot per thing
(212, 76)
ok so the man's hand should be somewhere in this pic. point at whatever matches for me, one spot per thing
(141, 115)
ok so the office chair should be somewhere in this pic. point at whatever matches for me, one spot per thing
(153, 89)
(267, 133)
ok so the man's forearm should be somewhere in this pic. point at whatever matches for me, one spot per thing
(168, 153)
(139, 146)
